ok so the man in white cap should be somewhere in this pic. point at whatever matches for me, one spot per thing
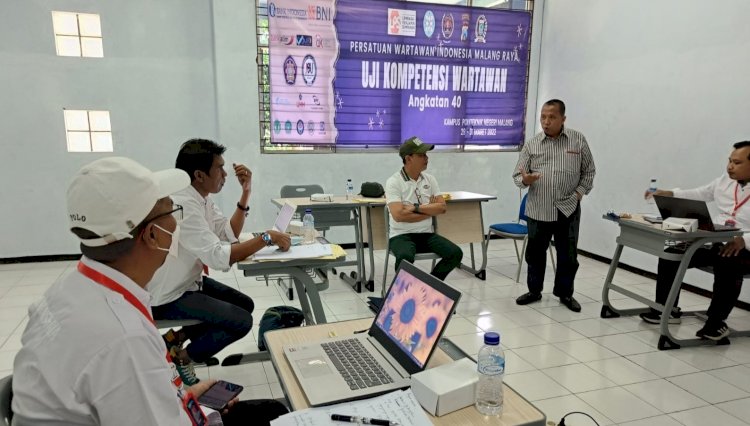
(413, 198)
(91, 353)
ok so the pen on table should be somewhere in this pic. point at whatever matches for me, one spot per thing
(362, 420)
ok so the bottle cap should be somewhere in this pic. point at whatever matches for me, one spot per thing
(491, 338)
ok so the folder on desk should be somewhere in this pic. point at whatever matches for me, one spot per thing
(305, 251)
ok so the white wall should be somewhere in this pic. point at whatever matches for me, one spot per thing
(659, 88)
(173, 69)
(156, 79)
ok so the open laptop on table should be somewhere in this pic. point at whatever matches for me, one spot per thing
(399, 343)
(689, 209)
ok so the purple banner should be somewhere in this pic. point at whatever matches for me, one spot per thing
(451, 75)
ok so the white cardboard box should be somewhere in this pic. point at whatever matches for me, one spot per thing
(447, 388)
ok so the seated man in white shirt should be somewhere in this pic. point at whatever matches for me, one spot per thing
(207, 239)
(413, 198)
(91, 354)
(730, 261)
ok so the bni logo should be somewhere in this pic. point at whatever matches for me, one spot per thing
(318, 13)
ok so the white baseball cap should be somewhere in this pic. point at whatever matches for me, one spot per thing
(111, 196)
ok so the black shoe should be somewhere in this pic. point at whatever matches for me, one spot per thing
(527, 298)
(571, 303)
(713, 332)
(654, 317)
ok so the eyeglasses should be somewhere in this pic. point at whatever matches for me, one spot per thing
(177, 213)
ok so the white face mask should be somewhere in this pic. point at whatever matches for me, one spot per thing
(175, 240)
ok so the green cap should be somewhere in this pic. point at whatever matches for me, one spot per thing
(414, 145)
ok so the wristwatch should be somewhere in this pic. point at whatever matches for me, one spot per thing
(416, 207)
(267, 238)
(245, 209)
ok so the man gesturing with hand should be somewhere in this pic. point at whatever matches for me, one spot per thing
(558, 169)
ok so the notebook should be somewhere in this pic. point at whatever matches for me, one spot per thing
(399, 343)
(689, 209)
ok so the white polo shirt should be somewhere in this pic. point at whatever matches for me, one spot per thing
(401, 188)
(205, 238)
(89, 357)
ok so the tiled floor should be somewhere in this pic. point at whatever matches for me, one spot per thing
(560, 360)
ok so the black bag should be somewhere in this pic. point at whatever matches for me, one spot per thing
(372, 190)
(277, 317)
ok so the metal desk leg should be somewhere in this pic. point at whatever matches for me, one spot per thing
(607, 311)
(307, 293)
(371, 249)
(355, 278)
(667, 341)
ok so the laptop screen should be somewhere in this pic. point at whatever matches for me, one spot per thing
(284, 217)
(415, 313)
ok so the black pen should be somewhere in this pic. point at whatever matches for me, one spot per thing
(362, 420)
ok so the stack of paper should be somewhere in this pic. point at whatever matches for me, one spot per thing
(399, 406)
(304, 251)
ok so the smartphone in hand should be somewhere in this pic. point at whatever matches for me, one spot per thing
(219, 395)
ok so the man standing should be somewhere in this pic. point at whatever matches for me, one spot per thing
(91, 353)
(557, 167)
(413, 198)
(731, 260)
(207, 239)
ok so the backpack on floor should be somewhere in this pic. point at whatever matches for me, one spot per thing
(278, 317)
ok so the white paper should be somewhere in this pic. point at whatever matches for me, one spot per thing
(303, 251)
(399, 406)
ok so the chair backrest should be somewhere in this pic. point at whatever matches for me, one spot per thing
(522, 210)
(294, 191)
(6, 395)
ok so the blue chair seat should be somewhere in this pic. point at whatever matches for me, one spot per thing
(511, 228)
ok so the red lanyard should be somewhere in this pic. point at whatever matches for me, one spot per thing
(736, 204)
(111, 284)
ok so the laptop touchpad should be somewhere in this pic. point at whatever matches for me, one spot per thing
(313, 367)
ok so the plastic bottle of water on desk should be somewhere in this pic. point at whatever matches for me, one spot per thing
(349, 189)
(308, 227)
(491, 368)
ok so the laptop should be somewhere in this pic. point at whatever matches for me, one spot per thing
(689, 209)
(399, 343)
(282, 219)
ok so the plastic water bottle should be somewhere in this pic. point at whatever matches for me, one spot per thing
(308, 227)
(491, 368)
(349, 189)
(652, 189)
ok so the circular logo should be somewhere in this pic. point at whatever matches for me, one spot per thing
(309, 70)
(290, 70)
(276, 126)
(447, 25)
(322, 126)
(271, 10)
(300, 127)
(428, 23)
(311, 127)
(288, 127)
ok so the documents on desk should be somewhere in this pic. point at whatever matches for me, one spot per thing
(399, 406)
(680, 224)
(304, 251)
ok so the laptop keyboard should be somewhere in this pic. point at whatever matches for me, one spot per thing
(355, 364)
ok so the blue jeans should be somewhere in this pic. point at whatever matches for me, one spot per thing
(226, 316)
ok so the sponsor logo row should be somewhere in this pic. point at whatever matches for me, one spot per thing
(311, 127)
(305, 40)
(403, 22)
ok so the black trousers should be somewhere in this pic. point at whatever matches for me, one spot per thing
(565, 231)
(405, 246)
(254, 412)
(728, 276)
